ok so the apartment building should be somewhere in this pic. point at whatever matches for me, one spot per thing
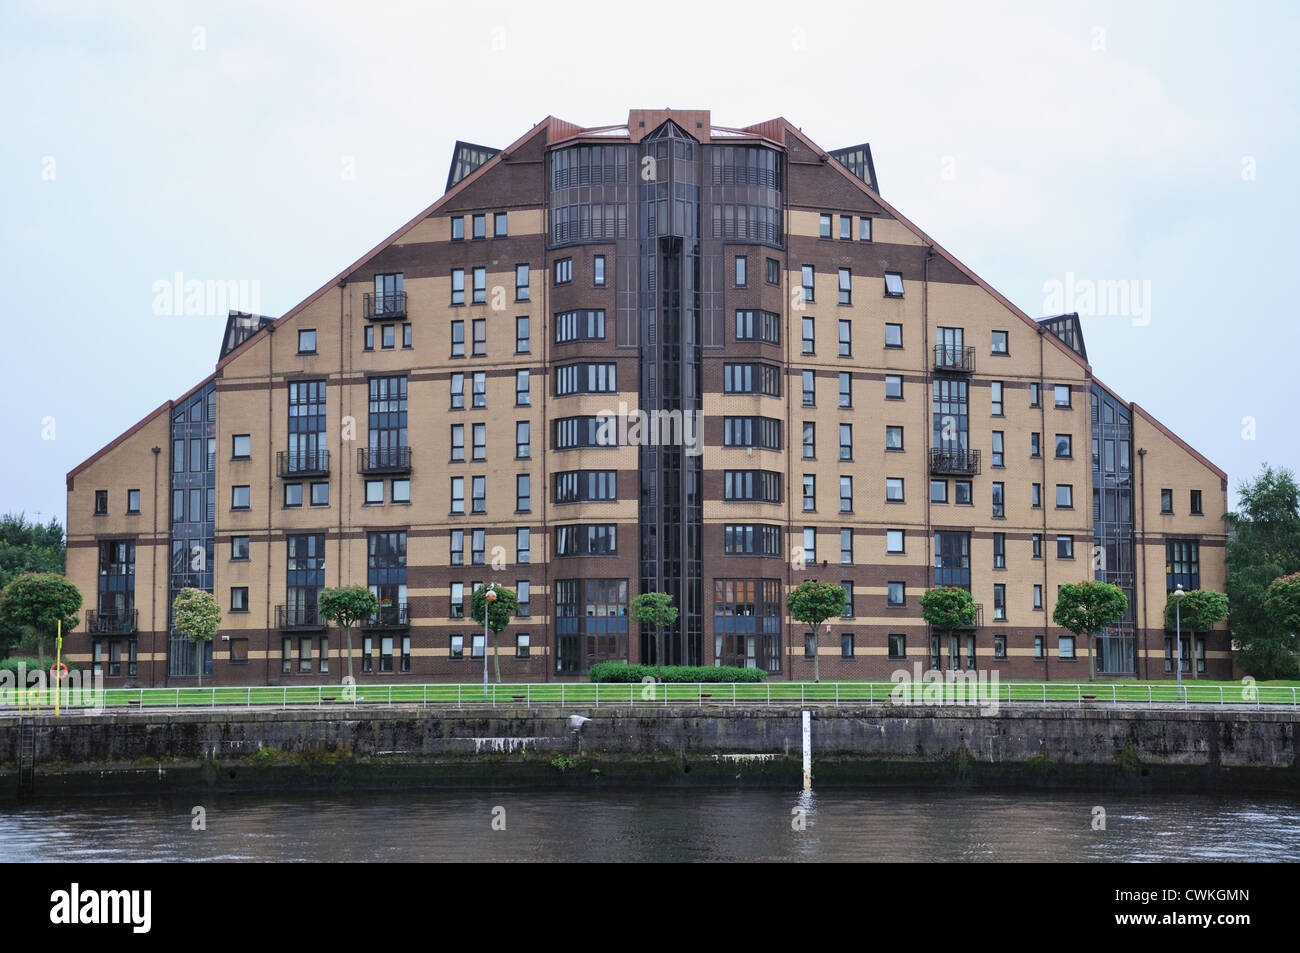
(659, 355)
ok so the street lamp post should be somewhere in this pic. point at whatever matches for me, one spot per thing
(489, 597)
(1178, 636)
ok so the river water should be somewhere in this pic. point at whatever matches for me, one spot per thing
(687, 824)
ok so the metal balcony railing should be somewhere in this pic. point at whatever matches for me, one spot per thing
(393, 616)
(954, 461)
(111, 623)
(385, 307)
(959, 359)
(384, 460)
(294, 463)
(298, 617)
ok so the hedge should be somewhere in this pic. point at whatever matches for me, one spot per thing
(30, 665)
(622, 672)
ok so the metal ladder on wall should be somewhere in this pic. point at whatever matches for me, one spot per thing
(27, 756)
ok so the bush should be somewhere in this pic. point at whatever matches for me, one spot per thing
(622, 672)
(30, 664)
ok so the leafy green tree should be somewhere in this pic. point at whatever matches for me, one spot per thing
(1200, 611)
(1264, 544)
(196, 615)
(37, 602)
(655, 609)
(27, 547)
(503, 608)
(346, 607)
(1087, 607)
(812, 603)
(948, 608)
(1282, 604)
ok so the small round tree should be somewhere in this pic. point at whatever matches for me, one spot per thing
(1087, 607)
(196, 615)
(812, 603)
(347, 607)
(38, 602)
(655, 609)
(503, 608)
(948, 608)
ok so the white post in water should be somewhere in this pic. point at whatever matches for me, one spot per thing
(807, 751)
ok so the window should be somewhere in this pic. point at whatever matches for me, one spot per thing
(807, 273)
(133, 501)
(523, 493)
(521, 646)
(1064, 496)
(1000, 342)
(893, 284)
(500, 225)
(809, 546)
(585, 378)
(238, 598)
(1183, 562)
(999, 501)
(938, 491)
(893, 541)
(389, 340)
(1065, 647)
(809, 339)
(579, 326)
(523, 590)
(241, 446)
(406, 342)
(846, 494)
(809, 388)
(286, 655)
(480, 285)
(401, 491)
(760, 432)
(1062, 394)
(239, 547)
(480, 389)
(824, 226)
(369, 333)
(893, 387)
(999, 456)
(458, 228)
(809, 493)
(598, 271)
(752, 539)
(1195, 509)
(1036, 495)
(773, 271)
(457, 494)
(896, 594)
(457, 610)
(458, 339)
(758, 326)
(523, 552)
(897, 643)
(480, 226)
(1065, 547)
(1064, 445)
(478, 490)
(458, 391)
(893, 335)
(523, 440)
(809, 645)
(307, 341)
(320, 494)
(999, 550)
(1166, 501)
(374, 491)
(1035, 448)
(961, 493)
(864, 229)
(847, 586)
(563, 271)
(846, 389)
(846, 286)
(999, 646)
(846, 227)
(809, 440)
(893, 438)
(1038, 545)
(893, 489)
(586, 539)
(742, 267)
(1038, 646)
(457, 443)
(522, 342)
(479, 432)
(521, 283)
(761, 486)
(999, 603)
(846, 441)
(995, 391)
(458, 286)
(457, 649)
(478, 547)
(846, 338)
(1038, 596)
(240, 498)
(846, 645)
(846, 547)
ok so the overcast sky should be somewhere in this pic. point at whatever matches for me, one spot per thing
(1047, 146)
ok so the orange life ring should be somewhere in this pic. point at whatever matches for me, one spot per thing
(61, 668)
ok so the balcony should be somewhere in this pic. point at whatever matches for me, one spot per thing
(111, 623)
(306, 463)
(960, 360)
(384, 460)
(978, 623)
(385, 307)
(953, 461)
(298, 618)
(393, 616)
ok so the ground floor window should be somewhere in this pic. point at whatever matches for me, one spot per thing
(1117, 651)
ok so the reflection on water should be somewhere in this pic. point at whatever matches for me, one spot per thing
(654, 824)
